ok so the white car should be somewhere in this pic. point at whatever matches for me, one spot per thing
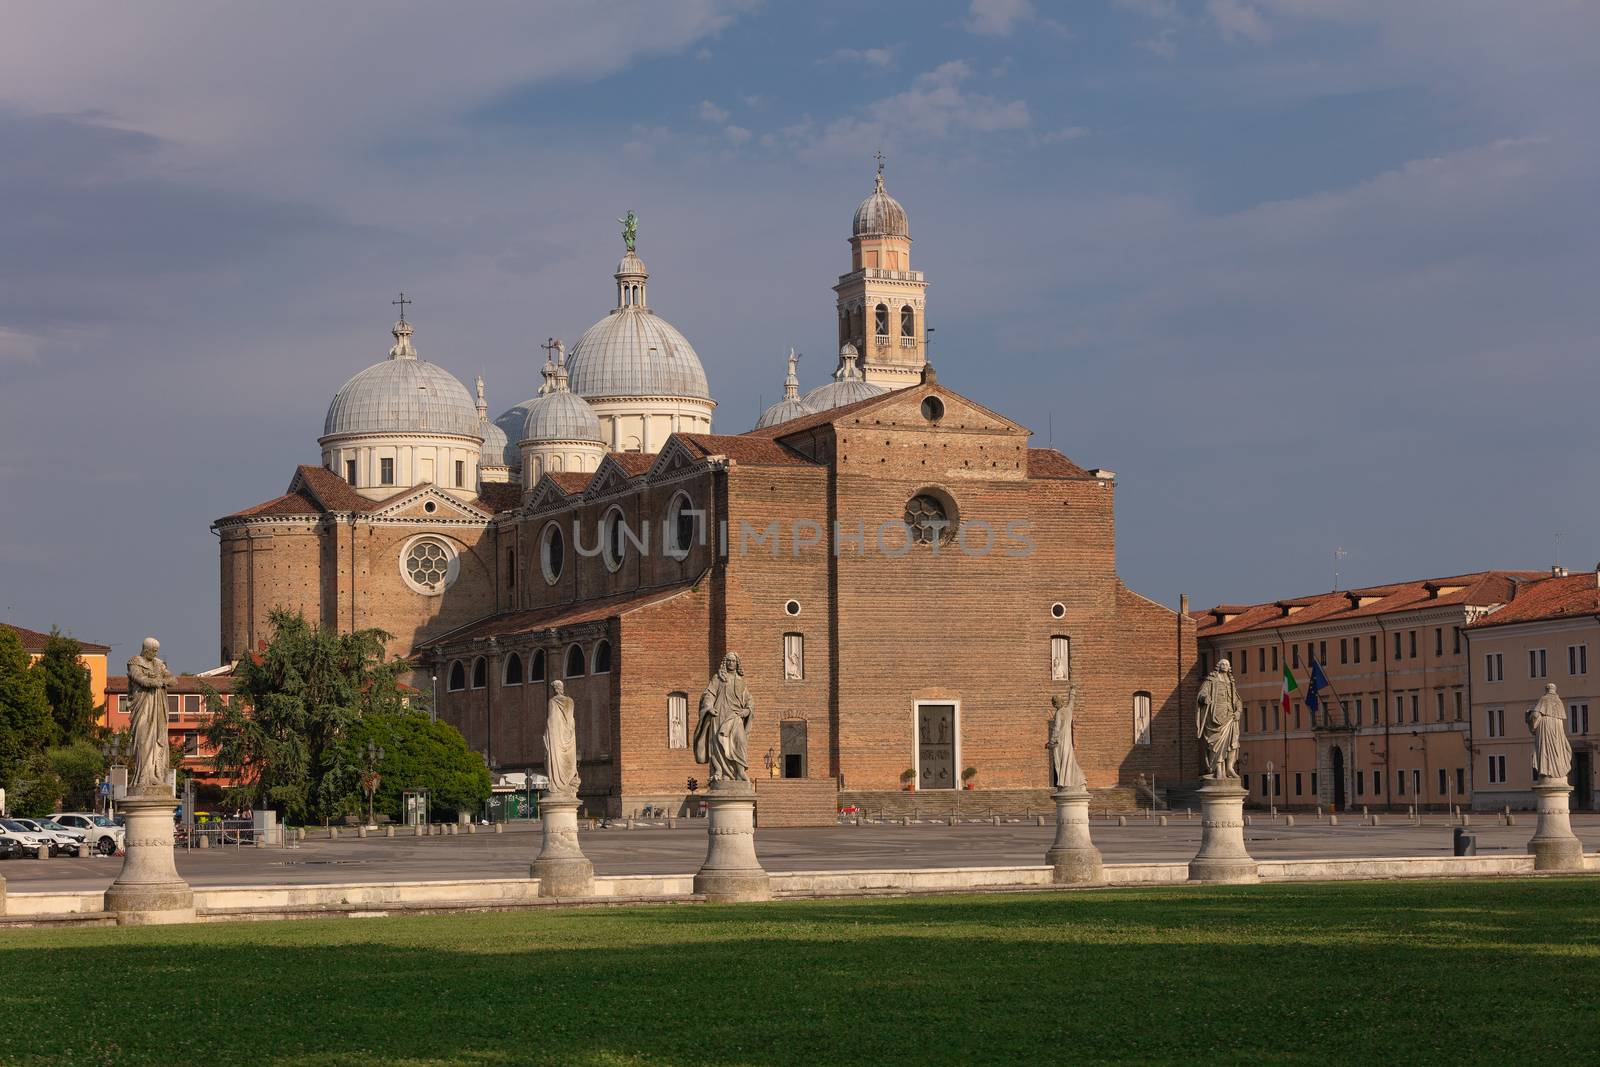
(103, 835)
(63, 841)
(30, 841)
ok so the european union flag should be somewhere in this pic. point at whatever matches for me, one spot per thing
(1318, 682)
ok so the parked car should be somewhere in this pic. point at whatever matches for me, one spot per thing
(63, 842)
(103, 835)
(29, 840)
(10, 848)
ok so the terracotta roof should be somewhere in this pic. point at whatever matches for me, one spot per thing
(821, 418)
(495, 497)
(1553, 598)
(184, 683)
(34, 641)
(1482, 588)
(334, 492)
(515, 623)
(1048, 463)
(287, 504)
(634, 463)
(744, 448)
(570, 481)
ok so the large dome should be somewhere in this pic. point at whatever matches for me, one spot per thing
(880, 215)
(560, 416)
(403, 394)
(633, 351)
(847, 387)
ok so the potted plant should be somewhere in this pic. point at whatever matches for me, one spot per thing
(909, 778)
(967, 776)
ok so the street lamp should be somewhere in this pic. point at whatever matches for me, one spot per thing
(433, 705)
(372, 759)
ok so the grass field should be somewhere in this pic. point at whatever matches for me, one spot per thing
(1370, 973)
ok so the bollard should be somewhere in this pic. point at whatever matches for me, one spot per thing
(1038, 820)
(1288, 820)
(499, 827)
(1372, 820)
(672, 822)
(333, 833)
(1511, 820)
(388, 831)
(1161, 820)
(1247, 820)
(43, 853)
(361, 832)
(1333, 820)
(994, 820)
(204, 842)
(1122, 820)
(472, 828)
(83, 850)
(1466, 820)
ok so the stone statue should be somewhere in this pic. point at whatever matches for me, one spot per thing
(1217, 713)
(1547, 722)
(148, 679)
(630, 229)
(561, 743)
(723, 729)
(1063, 753)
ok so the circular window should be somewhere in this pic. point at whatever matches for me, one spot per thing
(1058, 610)
(430, 507)
(429, 565)
(932, 408)
(613, 540)
(552, 553)
(682, 526)
(930, 517)
(792, 607)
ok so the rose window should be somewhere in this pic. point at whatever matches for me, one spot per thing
(927, 518)
(428, 564)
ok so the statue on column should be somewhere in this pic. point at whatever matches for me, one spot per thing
(721, 734)
(561, 743)
(1063, 753)
(148, 679)
(1547, 722)
(1217, 714)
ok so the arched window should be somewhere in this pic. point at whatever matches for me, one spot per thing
(683, 524)
(602, 658)
(1141, 718)
(480, 673)
(536, 667)
(908, 321)
(513, 671)
(880, 320)
(575, 662)
(458, 678)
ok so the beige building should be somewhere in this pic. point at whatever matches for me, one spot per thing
(1394, 729)
(1544, 635)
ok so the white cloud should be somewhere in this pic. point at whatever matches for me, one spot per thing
(736, 134)
(881, 58)
(1237, 19)
(1069, 133)
(998, 18)
(936, 106)
(710, 112)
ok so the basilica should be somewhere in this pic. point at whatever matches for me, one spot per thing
(906, 581)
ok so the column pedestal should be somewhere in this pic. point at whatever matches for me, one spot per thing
(148, 891)
(1554, 846)
(1073, 857)
(1222, 856)
(731, 871)
(562, 868)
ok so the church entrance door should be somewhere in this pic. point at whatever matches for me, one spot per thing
(1337, 756)
(936, 746)
(792, 736)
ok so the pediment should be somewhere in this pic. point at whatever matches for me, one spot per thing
(674, 456)
(609, 477)
(414, 504)
(548, 493)
(902, 409)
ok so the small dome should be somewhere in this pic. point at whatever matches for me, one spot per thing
(880, 215)
(403, 394)
(510, 424)
(560, 416)
(847, 387)
(783, 411)
(497, 450)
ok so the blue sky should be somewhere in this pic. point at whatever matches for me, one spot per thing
(1305, 273)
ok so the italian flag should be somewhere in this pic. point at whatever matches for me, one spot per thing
(1288, 687)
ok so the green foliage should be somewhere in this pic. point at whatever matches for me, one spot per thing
(25, 723)
(38, 788)
(420, 753)
(67, 688)
(293, 702)
(79, 767)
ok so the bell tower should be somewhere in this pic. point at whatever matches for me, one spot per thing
(881, 301)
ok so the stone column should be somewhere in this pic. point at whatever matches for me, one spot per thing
(149, 891)
(562, 868)
(1073, 855)
(1222, 856)
(731, 871)
(1554, 846)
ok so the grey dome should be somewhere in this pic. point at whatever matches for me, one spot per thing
(497, 450)
(633, 351)
(880, 215)
(560, 416)
(403, 394)
(510, 424)
(783, 411)
(847, 387)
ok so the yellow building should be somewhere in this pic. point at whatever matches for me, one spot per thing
(93, 657)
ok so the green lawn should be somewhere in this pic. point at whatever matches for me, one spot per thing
(1376, 973)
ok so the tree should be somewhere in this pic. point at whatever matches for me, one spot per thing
(79, 767)
(294, 700)
(25, 723)
(420, 753)
(37, 789)
(67, 688)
